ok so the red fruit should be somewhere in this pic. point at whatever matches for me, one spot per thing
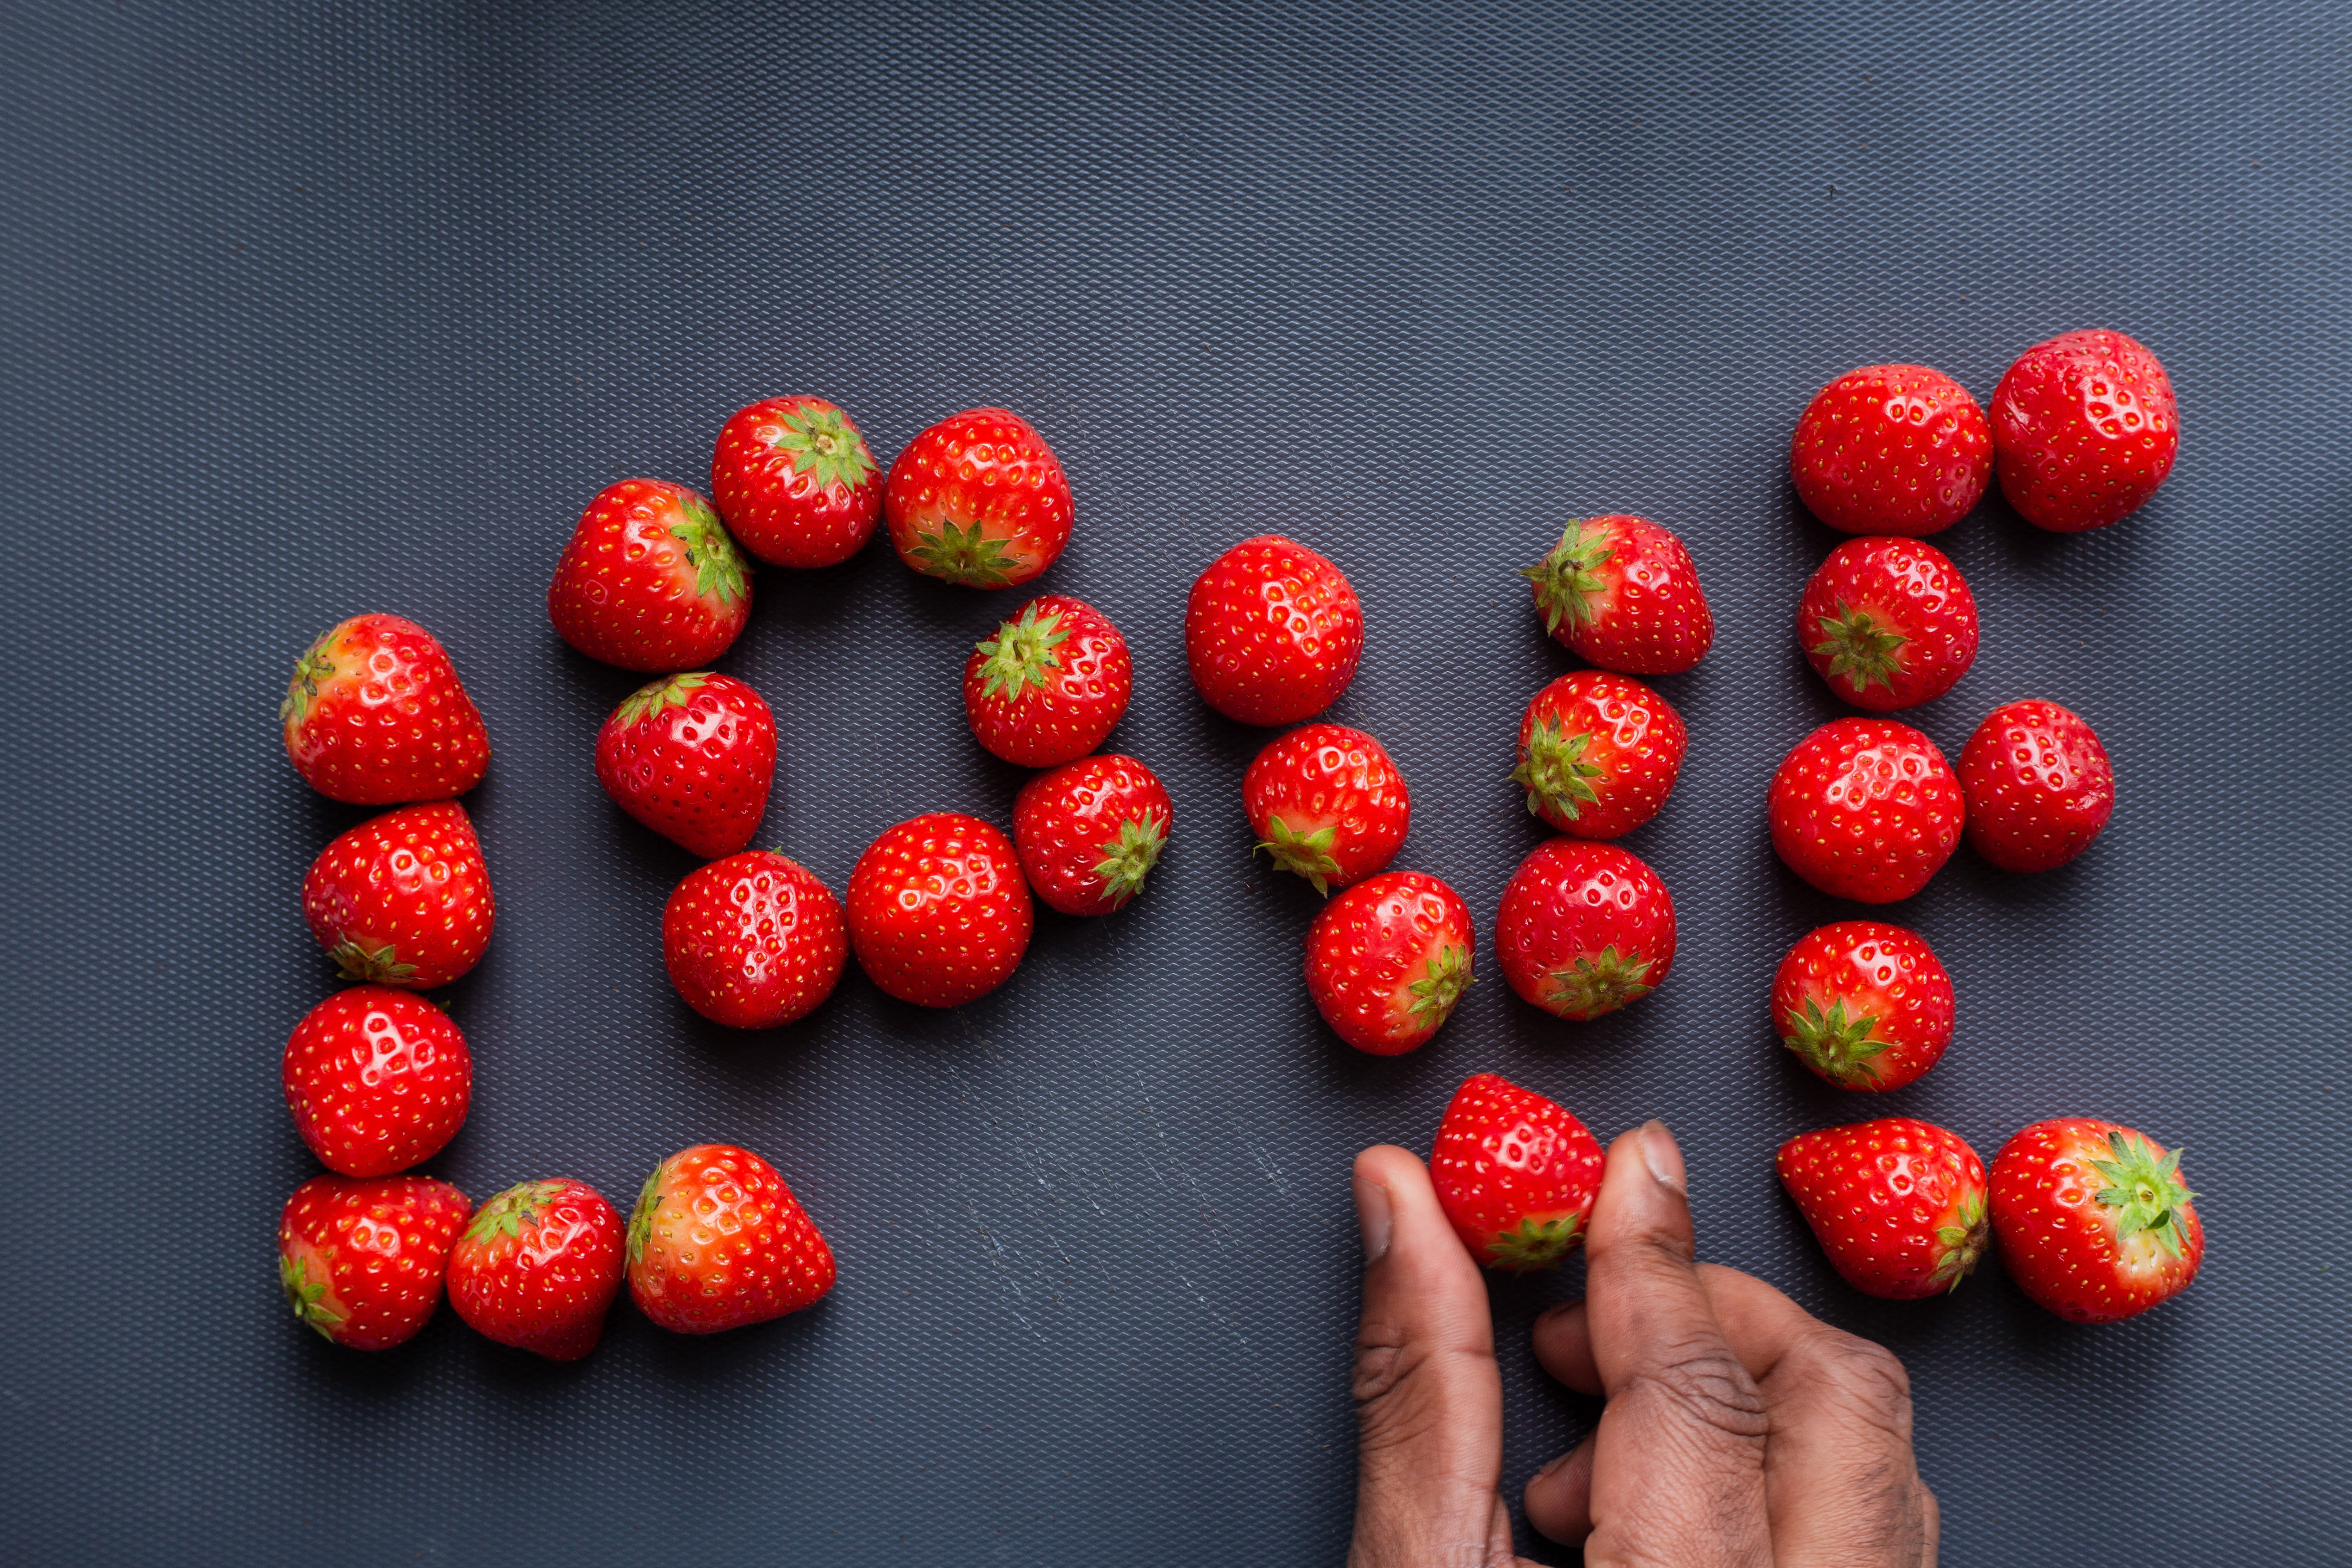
(1864, 1004)
(938, 912)
(361, 1259)
(1584, 928)
(538, 1267)
(1599, 753)
(795, 483)
(1273, 632)
(691, 756)
(1624, 594)
(2038, 784)
(717, 1240)
(1866, 809)
(1888, 623)
(1049, 685)
(2093, 1219)
(1327, 804)
(403, 899)
(2084, 429)
(978, 499)
(651, 580)
(378, 1080)
(1516, 1173)
(1387, 960)
(1898, 1205)
(1090, 831)
(375, 715)
(1891, 448)
(754, 941)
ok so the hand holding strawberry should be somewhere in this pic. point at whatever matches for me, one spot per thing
(537, 1267)
(375, 715)
(692, 757)
(1898, 1205)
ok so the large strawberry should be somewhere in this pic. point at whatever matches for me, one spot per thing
(403, 899)
(1888, 623)
(1898, 1205)
(753, 942)
(1891, 448)
(2084, 429)
(795, 483)
(1273, 632)
(1584, 928)
(1049, 685)
(938, 914)
(1864, 1004)
(1387, 960)
(376, 715)
(1599, 753)
(1088, 832)
(377, 1080)
(651, 580)
(978, 499)
(1866, 809)
(2093, 1220)
(537, 1267)
(717, 1240)
(1624, 594)
(691, 756)
(1328, 804)
(361, 1259)
(2038, 784)
(1516, 1173)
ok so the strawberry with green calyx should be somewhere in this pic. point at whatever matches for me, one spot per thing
(375, 715)
(717, 1240)
(1273, 632)
(1388, 959)
(377, 1081)
(938, 914)
(1599, 753)
(1623, 593)
(978, 499)
(1584, 928)
(651, 580)
(1516, 1174)
(2085, 430)
(362, 1260)
(1888, 623)
(1090, 831)
(753, 942)
(1866, 809)
(1897, 1205)
(404, 899)
(2093, 1219)
(692, 757)
(537, 1267)
(1890, 449)
(1328, 804)
(2038, 784)
(1050, 685)
(1864, 1005)
(796, 482)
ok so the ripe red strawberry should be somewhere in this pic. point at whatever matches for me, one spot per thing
(978, 499)
(2093, 1219)
(1623, 593)
(1049, 685)
(1327, 804)
(1891, 448)
(361, 1259)
(1516, 1173)
(1273, 632)
(651, 580)
(376, 715)
(538, 1267)
(378, 1080)
(1866, 809)
(795, 483)
(1898, 1205)
(938, 912)
(1599, 753)
(2083, 429)
(717, 1240)
(1584, 928)
(1387, 960)
(2038, 784)
(1888, 623)
(403, 899)
(1864, 1004)
(1090, 831)
(753, 942)
(691, 756)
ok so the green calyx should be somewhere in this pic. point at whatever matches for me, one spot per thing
(1834, 1046)
(1448, 977)
(379, 966)
(2143, 1184)
(1308, 853)
(1963, 1243)
(670, 691)
(306, 1298)
(1859, 649)
(1022, 654)
(506, 1214)
(719, 569)
(1591, 986)
(824, 445)
(1535, 1244)
(1567, 579)
(313, 668)
(1553, 772)
(968, 557)
(1129, 859)
(641, 1218)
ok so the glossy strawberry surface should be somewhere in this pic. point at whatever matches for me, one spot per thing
(2093, 1219)
(1049, 684)
(651, 580)
(1089, 832)
(795, 483)
(1888, 623)
(2038, 784)
(1328, 804)
(753, 942)
(938, 914)
(1584, 928)
(717, 1240)
(377, 1081)
(537, 1267)
(1897, 1205)
(2085, 430)
(692, 757)
(361, 1259)
(404, 899)
(1866, 809)
(1388, 959)
(1599, 753)
(1273, 632)
(375, 715)
(978, 499)
(1516, 1173)
(1864, 1005)
(1624, 593)
(1890, 449)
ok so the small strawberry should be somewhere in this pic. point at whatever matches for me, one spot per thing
(1599, 753)
(403, 899)
(1516, 1173)
(361, 1259)
(538, 1267)
(1327, 804)
(795, 483)
(1387, 960)
(1273, 632)
(1888, 623)
(2085, 430)
(375, 715)
(378, 1080)
(717, 1240)
(1049, 685)
(1891, 448)
(691, 756)
(2093, 1219)
(1089, 832)
(651, 580)
(754, 941)
(1864, 1004)
(978, 499)
(1584, 928)
(938, 914)
(2038, 784)
(1623, 593)
(1898, 1205)
(1866, 809)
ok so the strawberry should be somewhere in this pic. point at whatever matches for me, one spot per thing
(1623, 593)
(1516, 1173)
(403, 899)
(754, 941)
(978, 499)
(2083, 430)
(938, 912)
(537, 1267)
(1327, 804)
(1866, 809)
(378, 1080)
(1599, 753)
(1864, 1004)
(2093, 1219)
(1888, 623)
(1584, 928)
(361, 1259)
(1387, 960)
(2038, 784)
(1049, 685)
(1273, 632)
(691, 756)
(1090, 831)
(375, 715)
(717, 1240)
(651, 580)
(1891, 448)
(1898, 1205)
(795, 483)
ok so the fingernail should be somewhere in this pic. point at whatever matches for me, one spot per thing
(1374, 1218)
(1662, 1154)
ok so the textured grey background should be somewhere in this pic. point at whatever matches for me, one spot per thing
(313, 310)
